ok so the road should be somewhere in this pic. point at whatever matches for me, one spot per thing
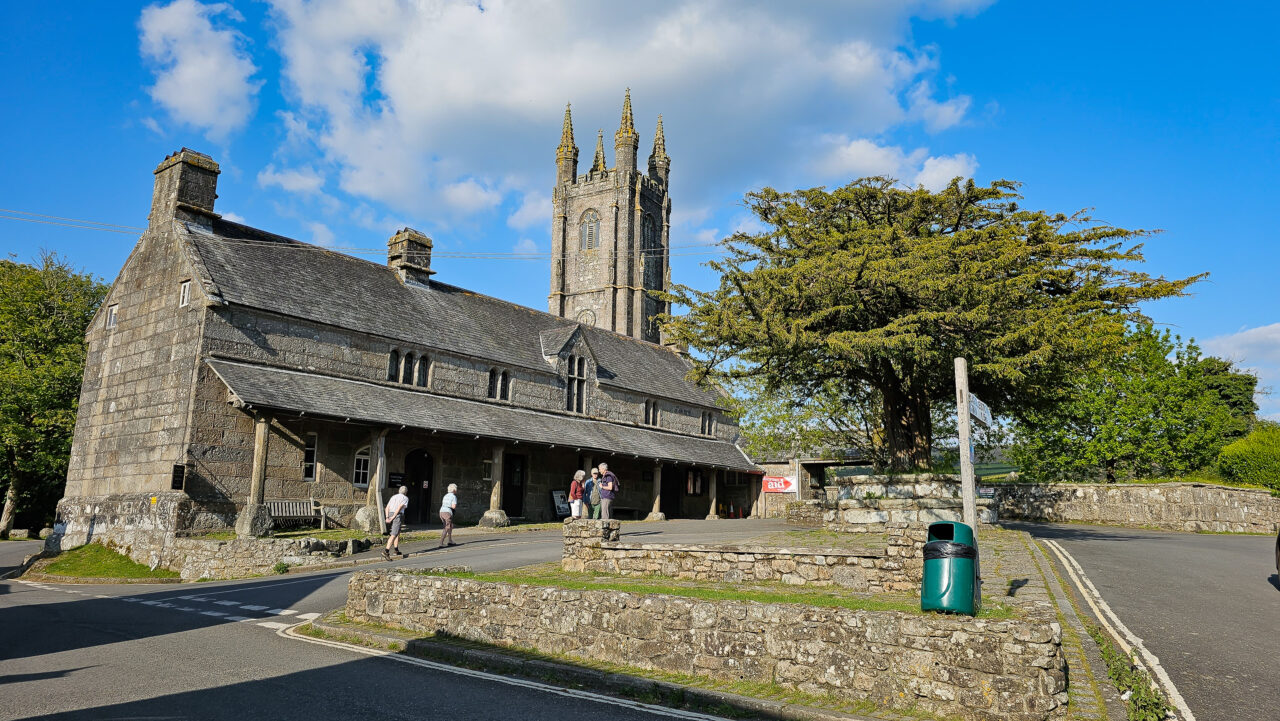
(212, 650)
(1208, 606)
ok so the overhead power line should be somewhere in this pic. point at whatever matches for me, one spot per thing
(81, 224)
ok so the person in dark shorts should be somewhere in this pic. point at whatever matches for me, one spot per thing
(395, 518)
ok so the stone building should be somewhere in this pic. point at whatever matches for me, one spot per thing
(230, 367)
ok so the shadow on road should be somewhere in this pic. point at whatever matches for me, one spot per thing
(1275, 581)
(1074, 532)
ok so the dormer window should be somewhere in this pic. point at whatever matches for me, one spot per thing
(576, 389)
(708, 423)
(499, 384)
(184, 294)
(651, 413)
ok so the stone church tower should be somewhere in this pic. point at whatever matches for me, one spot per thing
(609, 233)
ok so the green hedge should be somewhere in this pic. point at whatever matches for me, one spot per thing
(1254, 459)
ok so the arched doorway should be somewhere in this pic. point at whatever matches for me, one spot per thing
(418, 469)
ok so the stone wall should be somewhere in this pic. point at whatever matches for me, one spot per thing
(195, 558)
(594, 546)
(976, 669)
(1170, 506)
(872, 515)
(914, 485)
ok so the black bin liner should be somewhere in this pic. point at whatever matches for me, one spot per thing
(935, 550)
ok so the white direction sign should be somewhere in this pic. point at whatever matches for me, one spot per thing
(979, 411)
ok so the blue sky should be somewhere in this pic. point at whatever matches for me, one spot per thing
(339, 122)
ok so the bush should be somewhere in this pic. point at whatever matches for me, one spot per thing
(1254, 459)
(280, 567)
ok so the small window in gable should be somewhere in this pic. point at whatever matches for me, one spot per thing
(393, 365)
(406, 372)
(112, 311)
(360, 472)
(424, 368)
(184, 294)
(309, 458)
(708, 423)
(576, 390)
(504, 386)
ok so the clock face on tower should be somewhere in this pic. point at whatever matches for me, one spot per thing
(586, 316)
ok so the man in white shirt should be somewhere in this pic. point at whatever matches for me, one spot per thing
(395, 517)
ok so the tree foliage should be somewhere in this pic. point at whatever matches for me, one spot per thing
(877, 286)
(1154, 408)
(1254, 459)
(783, 423)
(44, 311)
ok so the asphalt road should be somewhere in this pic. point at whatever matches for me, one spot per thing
(12, 553)
(1208, 606)
(212, 650)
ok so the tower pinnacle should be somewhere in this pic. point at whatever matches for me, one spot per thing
(659, 161)
(626, 142)
(567, 152)
(598, 164)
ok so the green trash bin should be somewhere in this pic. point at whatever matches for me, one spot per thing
(950, 582)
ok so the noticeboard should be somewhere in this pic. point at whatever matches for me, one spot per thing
(986, 491)
(560, 500)
(780, 484)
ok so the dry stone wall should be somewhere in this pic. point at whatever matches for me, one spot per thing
(593, 546)
(1169, 506)
(971, 668)
(875, 515)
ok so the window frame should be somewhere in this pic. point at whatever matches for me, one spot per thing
(310, 446)
(422, 374)
(406, 368)
(393, 365)
(651, 417)
(113, 316)
(589, 230)
(576, 385)
(184, 294)
(366, 455)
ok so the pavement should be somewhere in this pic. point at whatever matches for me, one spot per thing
(1206, 607)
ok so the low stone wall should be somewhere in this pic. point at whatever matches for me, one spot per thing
(913, 485)
(976, 669)
(195, 558)
(1170, 506)
(873, 515)
(594, 546)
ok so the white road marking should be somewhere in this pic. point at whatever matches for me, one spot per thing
(240, 618)
(282, 611)
(288, 632)
(254, 608)
(151, 603)
(1118, 630)
(227, 603)
(275, 624)
(308, 616)
(212, 613)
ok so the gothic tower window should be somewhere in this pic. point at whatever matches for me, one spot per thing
(589, 231)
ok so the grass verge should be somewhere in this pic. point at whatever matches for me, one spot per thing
(436, 647)
(97, 561)
(550, 574)
(1144, 702)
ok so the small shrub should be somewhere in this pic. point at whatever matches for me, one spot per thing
(1254, 459)
(280, 567)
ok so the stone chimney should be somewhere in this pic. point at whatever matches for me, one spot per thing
(186, 186)
(409, 253)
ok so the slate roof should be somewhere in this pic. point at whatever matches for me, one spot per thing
(325, 396)
(261, 270)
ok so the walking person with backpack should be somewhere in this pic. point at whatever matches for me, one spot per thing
(609, 488)
(395, 518)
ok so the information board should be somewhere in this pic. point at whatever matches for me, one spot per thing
(560, 500)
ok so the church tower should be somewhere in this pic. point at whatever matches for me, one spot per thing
(610, 233)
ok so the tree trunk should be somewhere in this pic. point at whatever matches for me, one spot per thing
(1110, 465)
(10, 496)
(908, 428)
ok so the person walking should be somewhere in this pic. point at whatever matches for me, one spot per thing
(609, 488)
(575, 494)
(591, 495)
(448, 505)
(395, 518)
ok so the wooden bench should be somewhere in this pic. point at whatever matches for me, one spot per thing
(295, 510)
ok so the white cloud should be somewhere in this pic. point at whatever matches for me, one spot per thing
(846, 159)
(468, 196)
(936, 115)
(410, 100)
(150, 124)
(1257, 350)
(233, 217)
(525, 246)
(938, 171)
(203, 72)
(294, 180)
(535, 208)
(320, 234)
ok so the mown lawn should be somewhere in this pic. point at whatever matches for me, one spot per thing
(97, 561)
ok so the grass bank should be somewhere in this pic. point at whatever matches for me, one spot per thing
(97, 561)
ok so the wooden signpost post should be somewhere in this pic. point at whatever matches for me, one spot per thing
(968, 406)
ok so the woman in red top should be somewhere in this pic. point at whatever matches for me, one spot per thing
(575, 494)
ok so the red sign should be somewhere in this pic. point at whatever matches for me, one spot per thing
(779, 484)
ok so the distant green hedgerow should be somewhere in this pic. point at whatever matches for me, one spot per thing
(1254, 459)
